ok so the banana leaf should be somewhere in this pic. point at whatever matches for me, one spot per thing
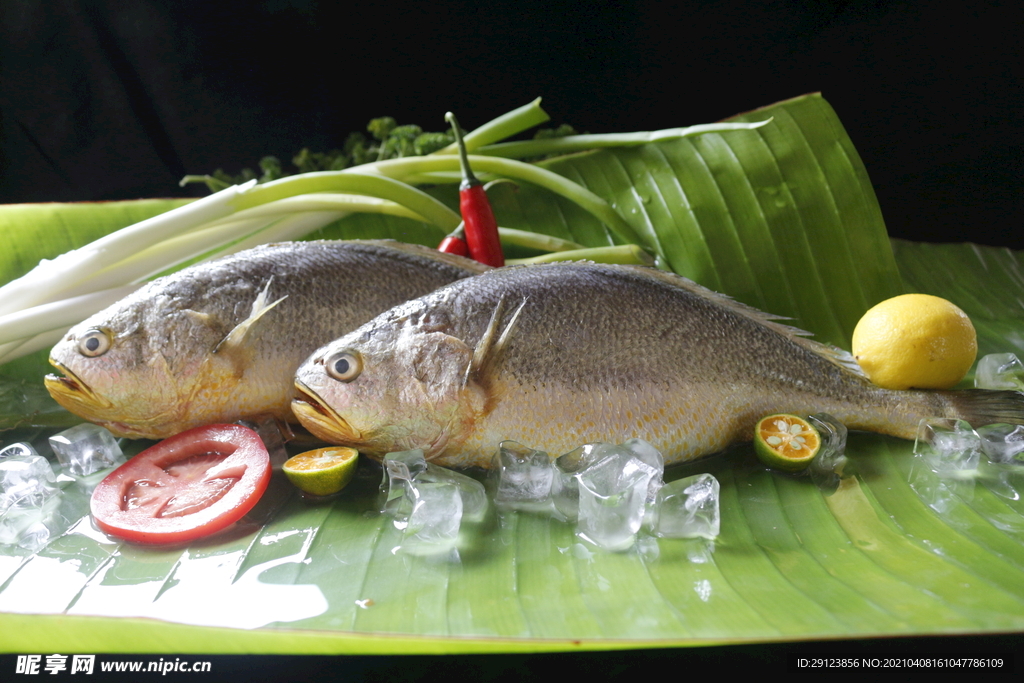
(782, 218)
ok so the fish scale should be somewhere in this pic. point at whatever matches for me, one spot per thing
(560, 355)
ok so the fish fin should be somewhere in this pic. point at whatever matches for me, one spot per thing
(233, 345)
(420, 251)
(487, 354)
(492, 344)
(800, 337)
(982, 407)
(831, 353)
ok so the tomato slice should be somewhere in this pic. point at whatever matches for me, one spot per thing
(185, 487)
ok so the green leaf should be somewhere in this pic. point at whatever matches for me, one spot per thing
(30, 232)
(952, 271)
(782, 218)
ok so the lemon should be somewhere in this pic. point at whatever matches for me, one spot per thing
(915, 340)
(786, 442)
(323, 471)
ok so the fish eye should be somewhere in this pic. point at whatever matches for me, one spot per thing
(94, 343)
(344, 365)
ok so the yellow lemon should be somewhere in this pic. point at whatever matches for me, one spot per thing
(786, 442)
(323, 471)
(915, 340)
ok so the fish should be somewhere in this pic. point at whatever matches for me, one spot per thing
(557, 356)
(221, 341)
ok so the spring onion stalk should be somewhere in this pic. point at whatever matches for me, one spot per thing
(358, 181)
(349, 203)
(535, 240)
(167, 254)
(65, 313)
(505, 126)
(215, 184)
(74, 266)
(287, 229)
(22, 347)
(580, 143)
(279, 221)
(510, 168)
(212, 240)
(625, 254)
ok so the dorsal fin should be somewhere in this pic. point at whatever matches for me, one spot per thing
(796, 335)
(421, 251)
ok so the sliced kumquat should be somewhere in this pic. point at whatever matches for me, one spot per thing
(786, 442)
(323, 471)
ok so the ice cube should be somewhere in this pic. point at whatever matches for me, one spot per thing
(651, 456)
(1000, 371)
(949, 446)
(827, 466)
(472, 492)
(688, 508)
(17, 449)
(612, 499)
(435, 518)
(20, 525)
(26, 482)
(85, 449)
(400, 468)
(34, 536)
(1002, 442)
(565, 487)
(523, 477)
(585, 456)
(405, 469)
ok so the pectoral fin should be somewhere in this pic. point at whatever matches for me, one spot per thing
(489, 349)
(236, 346)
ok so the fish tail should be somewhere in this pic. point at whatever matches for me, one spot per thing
(899, 412)
(983, 406)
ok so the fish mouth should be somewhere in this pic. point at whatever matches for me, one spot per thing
(70, 390)
(321, 419)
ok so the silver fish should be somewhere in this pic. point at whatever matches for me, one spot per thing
(557, 356)
(220, 341)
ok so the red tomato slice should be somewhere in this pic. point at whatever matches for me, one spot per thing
(185, 487)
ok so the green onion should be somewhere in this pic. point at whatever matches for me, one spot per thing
(63, 273)
(580, 143)
(625, 254)
(354, 180)
(535, 240)
(505, 126)
(510, 168)
(58, 314)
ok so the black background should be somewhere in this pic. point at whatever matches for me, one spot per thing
(118, 99)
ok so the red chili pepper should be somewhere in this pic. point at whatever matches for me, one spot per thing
(481, 226)
(455, 243)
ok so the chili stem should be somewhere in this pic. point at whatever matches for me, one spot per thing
(477, 215)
